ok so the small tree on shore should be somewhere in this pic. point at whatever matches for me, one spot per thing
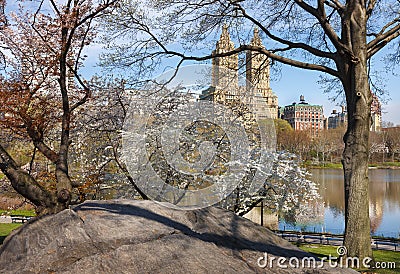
(41, 89)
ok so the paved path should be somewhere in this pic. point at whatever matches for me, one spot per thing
(5, 219)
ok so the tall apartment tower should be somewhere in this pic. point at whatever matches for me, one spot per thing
(376, 114)
(258, 80)
(224, 70)
(225, 85)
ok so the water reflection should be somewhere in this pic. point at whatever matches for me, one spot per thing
(263, 217)
(384, 199)
(384, 203)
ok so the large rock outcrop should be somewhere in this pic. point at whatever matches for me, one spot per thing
(127, 236)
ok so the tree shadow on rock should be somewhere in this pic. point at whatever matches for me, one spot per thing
(232, 241)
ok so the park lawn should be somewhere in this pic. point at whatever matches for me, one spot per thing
(25, 213)
(379, 255)
(6, 229)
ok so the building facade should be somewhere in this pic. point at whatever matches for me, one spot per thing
(258, 81)
(225, 86)
(304, 116)
(339, 119)
(376, 114)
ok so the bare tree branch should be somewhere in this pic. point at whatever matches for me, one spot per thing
(320, 15)
(370, 7)
(383, 38)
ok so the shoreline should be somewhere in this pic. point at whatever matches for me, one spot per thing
(338, 166)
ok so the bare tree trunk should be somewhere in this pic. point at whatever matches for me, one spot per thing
(353, 69)
(27, 186)
(355, 166)
(64, 184)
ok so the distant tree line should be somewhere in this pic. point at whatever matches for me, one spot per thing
(385, 145)
(327, 146)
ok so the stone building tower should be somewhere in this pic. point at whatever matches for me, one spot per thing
(258, 79)
(257, 65)
(225, 69)
(376, 113)
(225, 86)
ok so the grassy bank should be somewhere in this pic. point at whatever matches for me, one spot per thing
(387, 165)
(379, 256)
(6, 229)
(326, 165)
(26, 213)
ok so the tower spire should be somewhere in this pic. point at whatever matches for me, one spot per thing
(225, 32)
(225, 43)
(256, 40)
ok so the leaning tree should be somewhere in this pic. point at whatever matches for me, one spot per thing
(335, 37)
(41, 89)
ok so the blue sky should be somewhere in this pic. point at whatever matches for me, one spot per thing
(292, 83)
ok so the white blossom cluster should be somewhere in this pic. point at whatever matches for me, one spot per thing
(287, 191)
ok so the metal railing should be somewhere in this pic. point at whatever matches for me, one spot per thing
(335, 239)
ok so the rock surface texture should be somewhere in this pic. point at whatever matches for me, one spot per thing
(127, 236)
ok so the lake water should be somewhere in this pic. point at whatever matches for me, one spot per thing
(384, 203)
